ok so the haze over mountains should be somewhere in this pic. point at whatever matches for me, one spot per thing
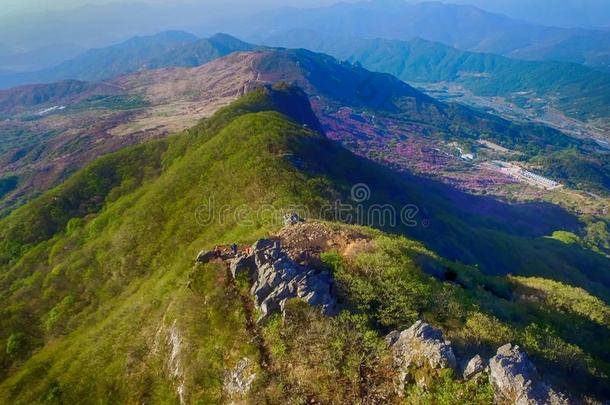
(463, 27)
(171, 48)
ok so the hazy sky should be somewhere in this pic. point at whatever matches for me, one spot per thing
(20, 6)
(30, 24)
(586, 13)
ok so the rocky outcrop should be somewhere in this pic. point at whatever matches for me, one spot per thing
(277, 278)
(238, 381)
(475, 367)
(419, 353)
(516, 381)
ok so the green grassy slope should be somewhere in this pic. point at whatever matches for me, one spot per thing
(105, 258)
(93, 275)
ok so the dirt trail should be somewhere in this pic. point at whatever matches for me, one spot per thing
(305, 242)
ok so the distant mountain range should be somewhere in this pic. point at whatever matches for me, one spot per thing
(579, 91)
(170, 48)
(460, 26)
(463, 27)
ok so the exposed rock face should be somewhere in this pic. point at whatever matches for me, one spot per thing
(475, 366)
(169, 345)
(420, 352)
(277, 278)
(238, 381)
(516, 381)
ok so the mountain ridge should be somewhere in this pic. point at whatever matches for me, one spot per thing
(113, 250)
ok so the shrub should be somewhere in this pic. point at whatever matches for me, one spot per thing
(15, 343)
(445, 390)
(328, 360)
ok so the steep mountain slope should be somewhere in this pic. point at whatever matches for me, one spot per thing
(104, 302)
(463, 27)
(141, 178)
(580, 92)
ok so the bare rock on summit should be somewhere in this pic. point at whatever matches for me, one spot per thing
(419, 353)
(516, 381)
(277, 278)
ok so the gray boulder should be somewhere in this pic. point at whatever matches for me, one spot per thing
(262, 244)
(475, 366)
(515, 380)
(266, 251)
(420, 352)
(277, 279)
